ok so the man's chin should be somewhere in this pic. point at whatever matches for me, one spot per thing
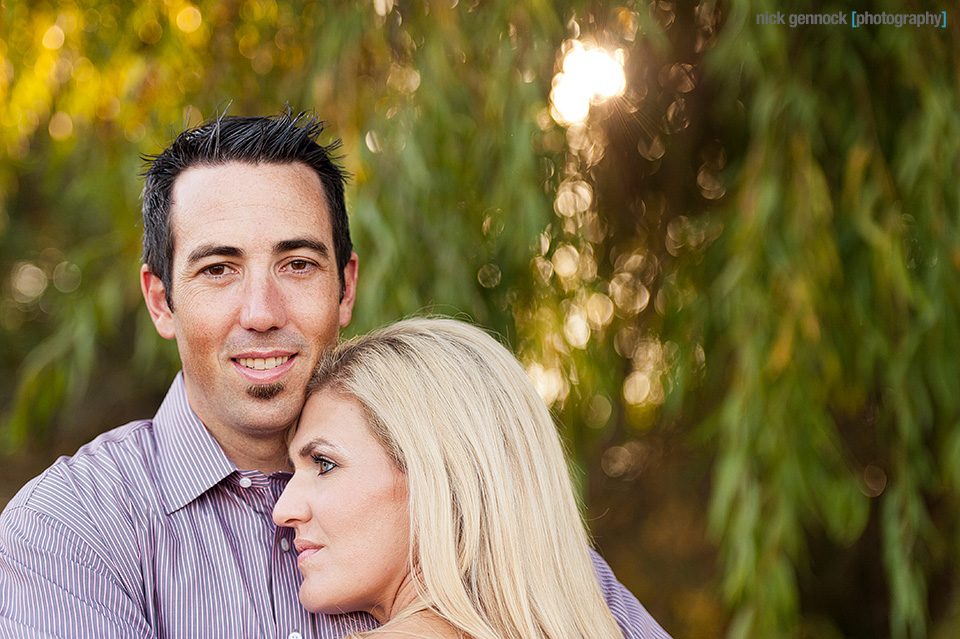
(265, 392)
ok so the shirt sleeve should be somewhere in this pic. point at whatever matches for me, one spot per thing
(56, 584)
(633, 618)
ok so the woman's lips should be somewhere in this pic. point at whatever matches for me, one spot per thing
(305, 551)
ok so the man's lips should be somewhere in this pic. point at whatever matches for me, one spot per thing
(262, 363)
(264, 368)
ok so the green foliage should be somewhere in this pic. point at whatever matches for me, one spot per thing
(436, 179)
(833, 309)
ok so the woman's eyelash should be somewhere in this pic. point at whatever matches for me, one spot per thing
(325, 464)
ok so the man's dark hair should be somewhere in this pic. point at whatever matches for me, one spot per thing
(276, 139)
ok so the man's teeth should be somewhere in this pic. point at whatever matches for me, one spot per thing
(262, 364)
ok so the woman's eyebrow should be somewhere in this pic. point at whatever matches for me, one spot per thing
(316, 442)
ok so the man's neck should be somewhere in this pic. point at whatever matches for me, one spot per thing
(263, 451)
(267, 456)
(252, 447)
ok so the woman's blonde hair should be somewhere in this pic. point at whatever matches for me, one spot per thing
(498, 547)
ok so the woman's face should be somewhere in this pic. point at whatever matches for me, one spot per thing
(347, 502)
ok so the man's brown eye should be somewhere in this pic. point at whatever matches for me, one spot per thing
(298, 265)
(217, 269)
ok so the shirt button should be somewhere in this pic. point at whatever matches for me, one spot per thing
(284, 545)
(245, 482)
(294, 635)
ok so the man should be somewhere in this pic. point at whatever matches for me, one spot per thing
(162, 528)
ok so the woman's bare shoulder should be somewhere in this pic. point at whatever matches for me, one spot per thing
(419, 626)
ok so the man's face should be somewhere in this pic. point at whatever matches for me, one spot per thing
(256, 294)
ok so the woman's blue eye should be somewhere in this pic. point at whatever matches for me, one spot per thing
(324, 464)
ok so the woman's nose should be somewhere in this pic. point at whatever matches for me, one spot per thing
(291, 508)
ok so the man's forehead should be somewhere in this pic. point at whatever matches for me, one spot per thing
(271, 202)
(223, 178)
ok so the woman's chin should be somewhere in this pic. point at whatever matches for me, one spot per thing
(323, 606)
(314, 604)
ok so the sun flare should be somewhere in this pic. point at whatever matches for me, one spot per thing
(589, 76)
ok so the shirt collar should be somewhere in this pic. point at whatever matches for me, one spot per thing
(190, 459)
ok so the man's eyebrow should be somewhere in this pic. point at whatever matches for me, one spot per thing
(284, 246)
(208, 250)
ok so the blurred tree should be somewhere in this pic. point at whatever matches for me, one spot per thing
(800, 327)
(745, 260)
(828, 310)
(434, 105)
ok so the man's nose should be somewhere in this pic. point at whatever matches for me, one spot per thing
(263, 304)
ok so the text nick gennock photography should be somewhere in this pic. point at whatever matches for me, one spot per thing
(855, 19)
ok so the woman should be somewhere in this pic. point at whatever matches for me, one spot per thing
(431, 490)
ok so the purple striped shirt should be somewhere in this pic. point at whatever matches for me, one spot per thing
(150, 531)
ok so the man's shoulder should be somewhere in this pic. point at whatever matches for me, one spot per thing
(75, 535)
(117, 467)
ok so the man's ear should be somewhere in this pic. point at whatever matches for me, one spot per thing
(349, 290)
(154, 295)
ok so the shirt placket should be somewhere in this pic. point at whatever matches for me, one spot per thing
(254, 489)
(293, 621)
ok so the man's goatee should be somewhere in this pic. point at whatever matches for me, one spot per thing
(265, 391)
